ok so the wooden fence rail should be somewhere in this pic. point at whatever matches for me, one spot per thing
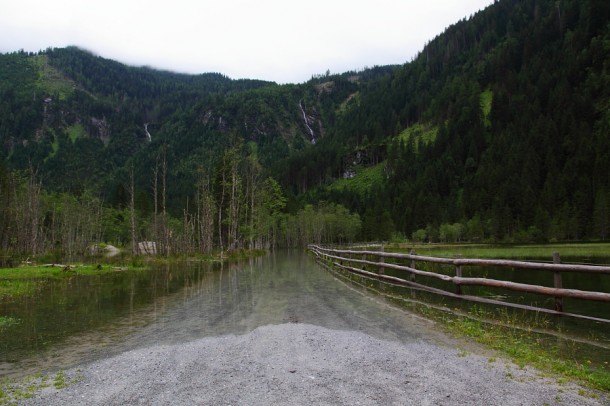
(345, 259)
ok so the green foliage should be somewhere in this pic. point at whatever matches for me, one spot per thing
(10, 289)
(75, 132)
(7, 321)
(327, 223)
(596, 252)
(50, 80)
(419, 235)
(12, 391)
(524, 347)
(499, 125)
(418, 134)
(59, 381)
(486, 102)
(55, 272)
(514, 158)
(28, 280)
(363, 181)
(451, 232)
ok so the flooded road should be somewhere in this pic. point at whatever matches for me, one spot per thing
(81, 320)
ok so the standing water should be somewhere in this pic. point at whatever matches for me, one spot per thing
(81, 319)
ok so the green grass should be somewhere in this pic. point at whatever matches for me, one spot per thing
(28, 280)
(419, 132)
(7, 321)
(75, 132)
(50, 80)
(11, 392)
(48, 272)
(518, 337)
(526, 348)
(528, 339)
(363, 181)
(230, 255)
(54, 144)
(581, 250)
(60, 381)
(486, 99)
(343, 107)
(16, 288)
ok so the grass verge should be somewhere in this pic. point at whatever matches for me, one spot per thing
(12, 392)
(525, 347)
(218, 256)
(522, 339)
(591, 251)
(25, 281)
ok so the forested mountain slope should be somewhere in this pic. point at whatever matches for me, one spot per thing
(498, 130)
(64, 110)
(87, 127)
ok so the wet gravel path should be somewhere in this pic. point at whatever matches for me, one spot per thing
(281, 331)
(302, 364)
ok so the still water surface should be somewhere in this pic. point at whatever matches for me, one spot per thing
(85, 318)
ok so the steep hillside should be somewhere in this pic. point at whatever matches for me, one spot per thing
(500, 125)
(497, 131)
(68, 111)
(95, 151)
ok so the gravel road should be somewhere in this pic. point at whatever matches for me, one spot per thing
(303, 364)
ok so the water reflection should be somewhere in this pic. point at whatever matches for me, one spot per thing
(585, 340)
(84, 318)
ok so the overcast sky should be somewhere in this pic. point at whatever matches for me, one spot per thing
(284, 41)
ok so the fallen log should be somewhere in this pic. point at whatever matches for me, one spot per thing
(65, 268)
(120, 268)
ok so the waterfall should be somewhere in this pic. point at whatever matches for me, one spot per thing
(147, 133)
(306, 120)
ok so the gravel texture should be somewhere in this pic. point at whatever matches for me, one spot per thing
(303, 364)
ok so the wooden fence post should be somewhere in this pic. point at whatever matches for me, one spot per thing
(557, 283)
(458, 273)
(412, 252)
(382, 260)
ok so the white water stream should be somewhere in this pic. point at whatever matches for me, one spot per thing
(306, 120)
(147, 133)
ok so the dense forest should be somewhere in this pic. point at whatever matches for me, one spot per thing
(498, 130)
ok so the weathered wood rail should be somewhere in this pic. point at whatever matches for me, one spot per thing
(345, 259)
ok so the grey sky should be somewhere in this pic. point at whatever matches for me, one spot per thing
(280, 40)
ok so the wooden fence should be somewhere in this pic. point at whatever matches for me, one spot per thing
(372, 264)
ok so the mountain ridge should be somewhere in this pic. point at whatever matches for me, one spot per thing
(499, 124)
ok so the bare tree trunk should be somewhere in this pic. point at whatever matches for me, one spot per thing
(155, 234)
(166, 231)
(220, 205)
(205, 214)
(233, 207)
(251, 218)
(26, 214)
(188, 244)
(208, 221)
(252, 211)
(132, 212)
(34, 210)
(235, 197)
